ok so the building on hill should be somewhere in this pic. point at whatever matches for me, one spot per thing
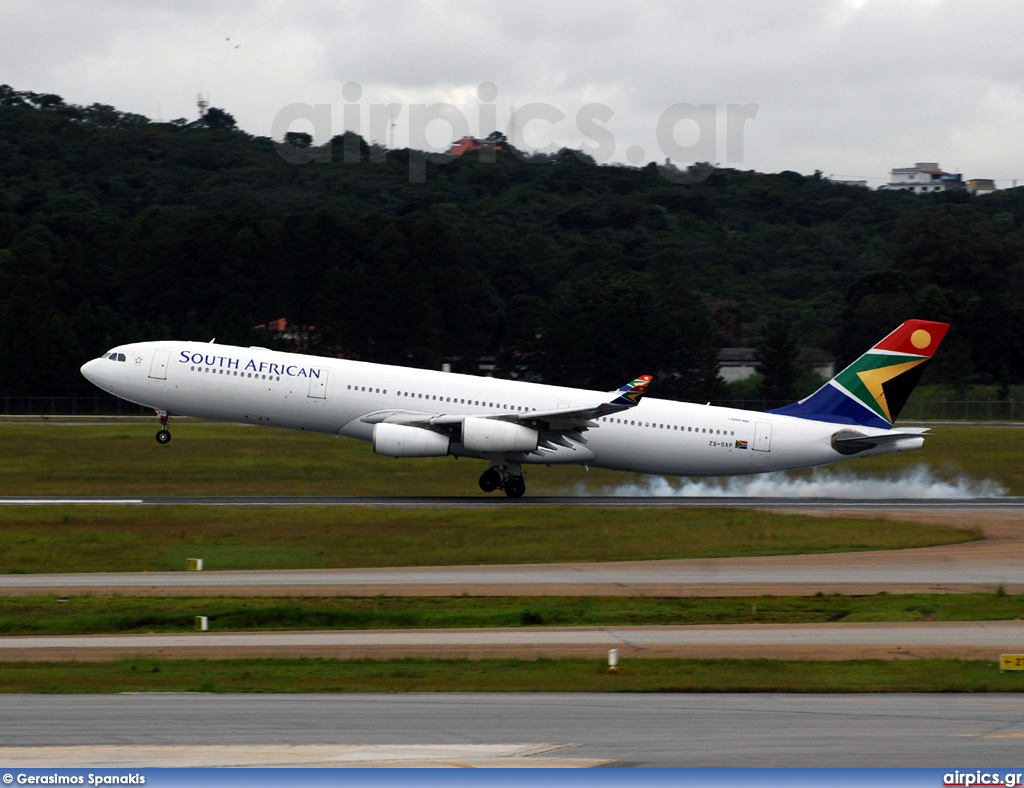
(495, 140)
(925, 177)
(294, 337)
(981, 185)
(739, 363)
(857, 184)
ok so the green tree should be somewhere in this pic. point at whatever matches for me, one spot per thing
(216, 118)
(776, 359)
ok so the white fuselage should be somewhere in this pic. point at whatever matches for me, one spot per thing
(293, 391)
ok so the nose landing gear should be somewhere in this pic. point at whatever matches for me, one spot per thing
(505, 477)
(163, 437)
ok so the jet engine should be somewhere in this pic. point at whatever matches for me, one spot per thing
(491, 436)
(398, 440)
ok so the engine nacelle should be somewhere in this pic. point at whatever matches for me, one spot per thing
(490, 436)
(398, 440)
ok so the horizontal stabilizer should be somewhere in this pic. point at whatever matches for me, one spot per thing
(852, 442)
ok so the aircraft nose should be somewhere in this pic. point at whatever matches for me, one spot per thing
(87, 368)
(91, 371)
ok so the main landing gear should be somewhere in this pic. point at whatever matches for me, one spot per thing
(163, 437)
(506, 477)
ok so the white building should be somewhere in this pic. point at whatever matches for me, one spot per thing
(923, 178)
(981, 185)
(739, 363)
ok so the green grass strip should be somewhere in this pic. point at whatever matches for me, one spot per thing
(217, 459)
(506, 675)
(161, 538)
(124, 615)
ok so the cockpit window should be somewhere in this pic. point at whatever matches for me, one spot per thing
(116, 357)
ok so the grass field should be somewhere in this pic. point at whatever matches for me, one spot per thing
(213, 459)
(507, 675)
(121, 615)
(161, 538)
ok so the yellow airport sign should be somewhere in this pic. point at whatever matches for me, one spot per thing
(1011, 662)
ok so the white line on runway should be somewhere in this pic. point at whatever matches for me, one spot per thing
(67, 501)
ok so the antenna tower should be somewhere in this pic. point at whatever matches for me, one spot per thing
(202, 102)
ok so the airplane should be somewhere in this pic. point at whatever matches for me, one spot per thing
(406, 412)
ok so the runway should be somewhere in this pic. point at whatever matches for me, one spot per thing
(1009, 504)
(968, 640)
(651, 730)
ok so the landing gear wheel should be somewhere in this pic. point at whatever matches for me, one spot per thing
(163, 437)
(490, 480)
(515, 487)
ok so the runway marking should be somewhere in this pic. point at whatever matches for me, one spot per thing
(68, 501)
(463, 756)
(991, 735)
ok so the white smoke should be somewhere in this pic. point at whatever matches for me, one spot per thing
(914, 482)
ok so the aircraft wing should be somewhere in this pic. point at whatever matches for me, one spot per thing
(570, 418)
(554, 427)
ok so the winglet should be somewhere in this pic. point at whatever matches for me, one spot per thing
(629, 396)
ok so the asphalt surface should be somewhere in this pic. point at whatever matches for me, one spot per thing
(699, 730)
(967, 640)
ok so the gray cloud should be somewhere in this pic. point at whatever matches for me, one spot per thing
(845, 86)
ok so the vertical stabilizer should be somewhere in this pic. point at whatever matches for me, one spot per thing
(872, 391)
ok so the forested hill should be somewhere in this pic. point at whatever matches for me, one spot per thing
(114, 228)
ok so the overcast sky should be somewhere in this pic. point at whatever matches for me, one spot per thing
(849, 87)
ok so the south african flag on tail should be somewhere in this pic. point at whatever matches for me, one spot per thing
(872, 391)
